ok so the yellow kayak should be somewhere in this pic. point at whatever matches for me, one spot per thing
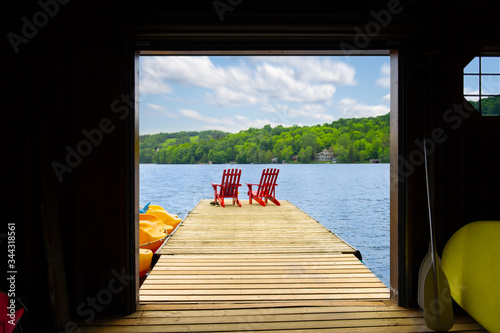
(145, 258)
(152, 235)
(470, 262)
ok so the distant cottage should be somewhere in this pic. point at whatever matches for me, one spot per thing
(325, 156)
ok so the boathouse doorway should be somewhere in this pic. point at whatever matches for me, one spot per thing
(155, 109)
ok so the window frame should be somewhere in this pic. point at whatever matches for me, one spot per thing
(480, 75)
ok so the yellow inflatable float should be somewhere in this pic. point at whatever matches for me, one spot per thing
(155, 224)
(470, 262)
(164, 216)
(145, 258)
(152, 235)
(154, 218)
(160, 208)
(149, 217)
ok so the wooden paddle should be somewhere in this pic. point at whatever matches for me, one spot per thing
(434, 290)
(424, 269)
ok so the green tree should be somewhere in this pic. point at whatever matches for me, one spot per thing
(305, 154)
(309, 140)
(351, 140)
(287, 153)
(351, 154)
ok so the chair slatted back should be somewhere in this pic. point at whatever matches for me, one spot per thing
(230, 183)
(268, 183)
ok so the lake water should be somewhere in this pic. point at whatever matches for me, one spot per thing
(351, 200)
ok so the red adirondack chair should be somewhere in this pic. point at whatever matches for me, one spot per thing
(228, 188)
(266, 188)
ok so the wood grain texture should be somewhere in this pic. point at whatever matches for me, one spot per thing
(271, 269)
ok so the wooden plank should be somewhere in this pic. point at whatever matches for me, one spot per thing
(161, 279)
(403, 324)
(271, 311)
(280, 256)
(275, 317)
(361, 304)
(296, 269)
(234, 257)
(273, 262)
(242, 289)
(256, 298)
(255, 276)
(191, 286)
(244, 232)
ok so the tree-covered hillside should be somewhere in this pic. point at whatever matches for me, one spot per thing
(350, 140)
(489, 106)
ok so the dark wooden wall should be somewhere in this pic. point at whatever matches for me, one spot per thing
(76, 232)
(70, 166)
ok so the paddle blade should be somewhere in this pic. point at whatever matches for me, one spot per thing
(422, 273)
(438, 307)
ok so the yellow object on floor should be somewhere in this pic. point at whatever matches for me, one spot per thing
(163, 215)
(149, 217)
(152, 235)
(160, 208)
(154, 218)
(145, 258)
(471, 263)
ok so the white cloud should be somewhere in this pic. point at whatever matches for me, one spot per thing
(245, 122)
(155, 106)
(156, 110)
(195, 115)
(152, 83)
(234, 86)
(314, 69)
(231, 124)
(180, 100)
(351, 108)
(386, 98)
(471, 91)
(285, 112)
(280, 83)
(290, 89)
(385, 76)
(223, 96)
(196, 71)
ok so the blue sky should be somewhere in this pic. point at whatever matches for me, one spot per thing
(233, 93)
(490, 84)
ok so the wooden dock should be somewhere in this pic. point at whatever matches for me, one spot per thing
(254, 268)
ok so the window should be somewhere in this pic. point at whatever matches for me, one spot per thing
(482, 84)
